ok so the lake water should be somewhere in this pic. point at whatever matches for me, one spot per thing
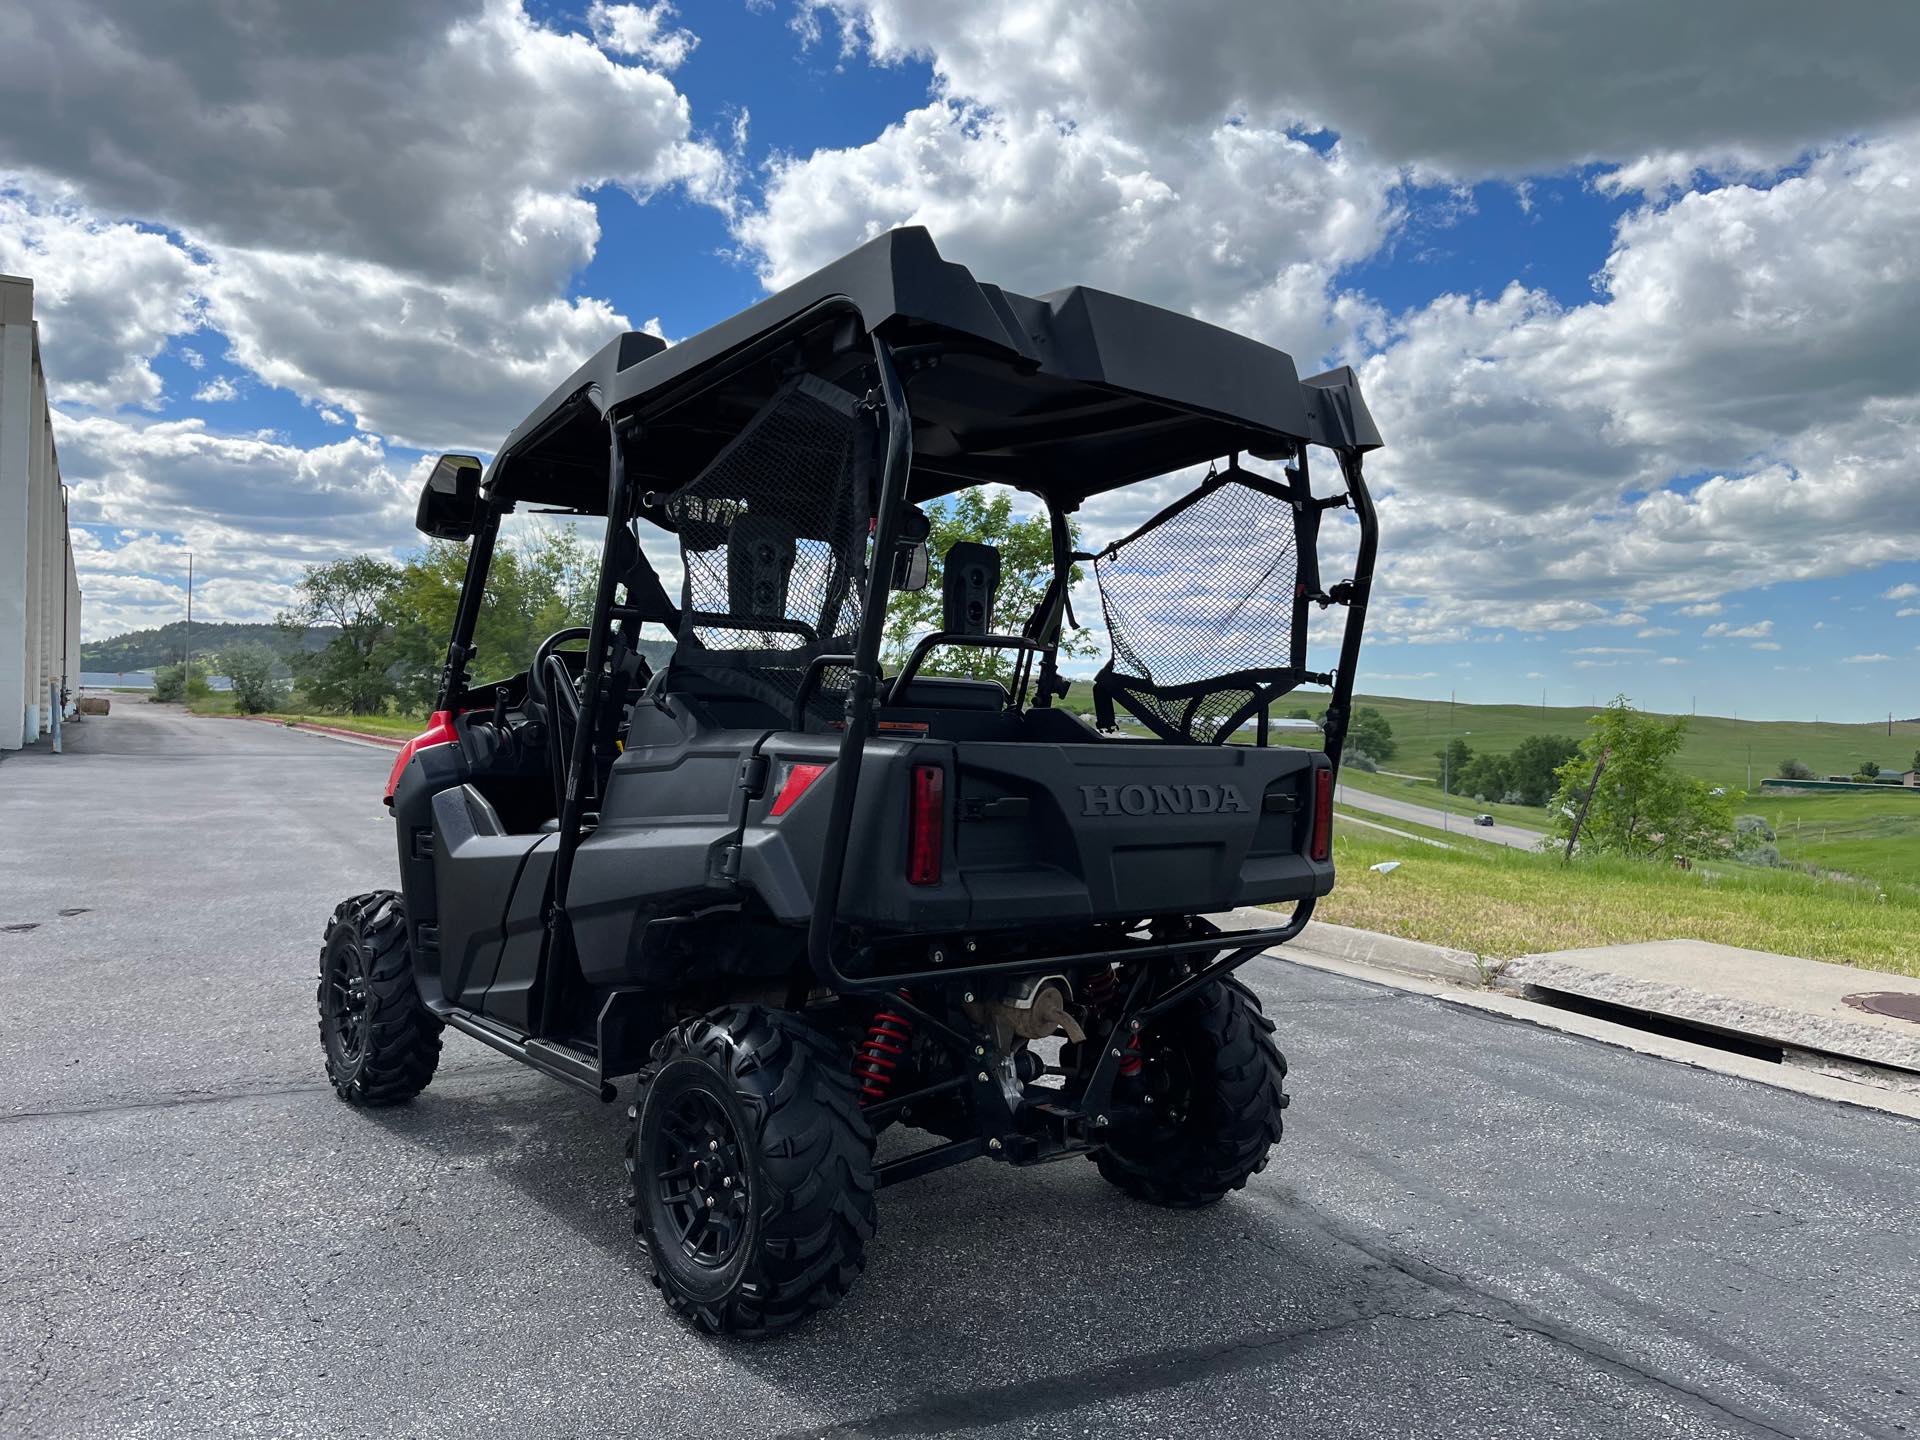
(136, 680)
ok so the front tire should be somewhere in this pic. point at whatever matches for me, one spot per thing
(382, 1045)
(1213, 1079)
(750, 1171)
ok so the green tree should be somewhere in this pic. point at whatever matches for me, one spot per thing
(1642, 806)
(541, 583)
(1795, 770)
(1452, 761)
(1869, 770)
(1026, 568)
(354, 596)
(176, 682)
(1486, 776)
(1369, 731)
(1532, 765)
(250, 668)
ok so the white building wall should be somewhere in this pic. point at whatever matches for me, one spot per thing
(39, 589)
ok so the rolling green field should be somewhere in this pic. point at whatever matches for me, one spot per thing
(1859, 832)
(1499, 903)
(1716, 748)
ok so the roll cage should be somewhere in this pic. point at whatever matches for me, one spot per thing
(951, 383)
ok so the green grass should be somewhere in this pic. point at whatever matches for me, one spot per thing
(401, 727)
(1716, 747)
(1499, 903)
(1876, 836)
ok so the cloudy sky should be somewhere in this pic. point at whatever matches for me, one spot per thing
(1634, 289)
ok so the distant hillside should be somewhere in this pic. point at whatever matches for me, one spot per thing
(145, 649)
(1715, 750)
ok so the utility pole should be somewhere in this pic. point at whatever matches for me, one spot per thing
(187, 669)
(1749, 769)
(1581, 818)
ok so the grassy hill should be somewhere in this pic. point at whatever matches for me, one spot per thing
(1499, 903)
(145, 649)
(1716, 748)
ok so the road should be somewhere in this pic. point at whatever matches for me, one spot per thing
(1474, 1227)
(1461, 820)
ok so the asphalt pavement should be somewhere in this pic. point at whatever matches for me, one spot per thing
(1459, 820)
(1474, 1227)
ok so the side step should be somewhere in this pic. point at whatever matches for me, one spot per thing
(575, 1067)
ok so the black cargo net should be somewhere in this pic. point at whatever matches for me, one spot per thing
(773, 537)
(1206, 608)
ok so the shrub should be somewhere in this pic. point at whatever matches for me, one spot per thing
(1360, 760)
(1794, 770)
(255, 687)
(1752, 828)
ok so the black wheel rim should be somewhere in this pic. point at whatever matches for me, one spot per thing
(349, 1017)
(700, 1178)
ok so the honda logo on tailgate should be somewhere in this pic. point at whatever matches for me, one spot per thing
(1162, 800)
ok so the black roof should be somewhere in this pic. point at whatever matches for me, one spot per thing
(1066, 394)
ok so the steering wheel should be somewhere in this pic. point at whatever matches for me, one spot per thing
(550, 686)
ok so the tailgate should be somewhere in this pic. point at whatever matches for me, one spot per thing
(1050, 833)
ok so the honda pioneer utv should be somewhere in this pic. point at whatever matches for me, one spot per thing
(802, 899)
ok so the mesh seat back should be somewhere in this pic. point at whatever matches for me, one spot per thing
(1206, 608)
(773, 537)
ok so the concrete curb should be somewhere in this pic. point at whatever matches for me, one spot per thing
(1777, 999)
(335, 732)
(1381, 952)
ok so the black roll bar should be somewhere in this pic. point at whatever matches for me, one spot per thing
(866, 662)
(1339, 708)
(929, 643)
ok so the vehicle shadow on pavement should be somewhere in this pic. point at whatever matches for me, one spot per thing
(966, 1264)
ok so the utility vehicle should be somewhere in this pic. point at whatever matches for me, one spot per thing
(802, 899)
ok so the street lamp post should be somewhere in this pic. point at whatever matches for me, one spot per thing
(186, 668)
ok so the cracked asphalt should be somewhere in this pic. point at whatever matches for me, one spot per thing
(1473, 1227)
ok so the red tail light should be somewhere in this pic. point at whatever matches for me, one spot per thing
(439, 731)
(926, 821)
(799, 777)
(1322, 847)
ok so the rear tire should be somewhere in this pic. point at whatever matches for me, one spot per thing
(1216, 1080)
(750, 1170)
(382, 1045)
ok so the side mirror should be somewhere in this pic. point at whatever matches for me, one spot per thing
(910, 565)
(450, 500)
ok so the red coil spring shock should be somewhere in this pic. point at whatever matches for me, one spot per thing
(1102, 992)
(887, 1040)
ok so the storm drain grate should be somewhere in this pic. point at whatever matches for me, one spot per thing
(1670, 1027)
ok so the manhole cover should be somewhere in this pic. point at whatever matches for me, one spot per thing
(1900, 1004)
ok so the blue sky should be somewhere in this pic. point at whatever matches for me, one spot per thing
(1643, 362)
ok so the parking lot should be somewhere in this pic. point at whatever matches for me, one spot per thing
(1473, 1227)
